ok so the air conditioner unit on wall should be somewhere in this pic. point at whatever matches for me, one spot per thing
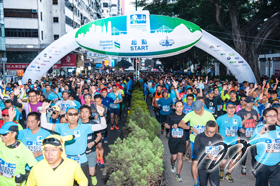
(34, 10)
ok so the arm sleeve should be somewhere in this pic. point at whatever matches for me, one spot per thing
(79, 176)
(44, 122)
(15, 103)
(102, 125)
(22, 93)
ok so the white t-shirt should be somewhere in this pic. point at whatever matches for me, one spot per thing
(64, 104)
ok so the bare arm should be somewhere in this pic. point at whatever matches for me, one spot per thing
(183, 125)
(98, 138)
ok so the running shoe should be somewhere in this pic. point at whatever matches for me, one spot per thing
(196, 184)
(112, 127)
(189, 158)
(221, 175)
(97, 162)
(254, 173)
(184, 156)
(178, 178)
(229, 178)
(243, 171)
(105, 140)
(117, 127)
(173, 169)
(162, 131)
(166, 136)
(102, 163)
(93, 180)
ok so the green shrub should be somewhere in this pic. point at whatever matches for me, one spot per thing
(135, 160)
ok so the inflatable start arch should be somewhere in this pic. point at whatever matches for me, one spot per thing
(139, 34)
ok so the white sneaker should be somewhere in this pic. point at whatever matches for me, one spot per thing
(178, 178)
(173, 169)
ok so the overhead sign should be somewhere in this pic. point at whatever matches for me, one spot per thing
(69, 61)
(139, 34)
(17, 66)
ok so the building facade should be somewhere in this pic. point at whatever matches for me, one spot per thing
(2, 31)
(111, 8)
(31, 25)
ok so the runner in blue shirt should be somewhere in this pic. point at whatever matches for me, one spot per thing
(267, 140)
(76, 148)
(33, 136)
(229, 124)
(165, 104)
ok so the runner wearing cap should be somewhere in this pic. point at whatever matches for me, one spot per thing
(33, 136)
(249, 118)
(77, 149)
(176, 142)
(54, 115)
(115, 107)
(6, 116)
(55, 169)
(198, 119)
(164, 104)
(229, 124)
(14, 156)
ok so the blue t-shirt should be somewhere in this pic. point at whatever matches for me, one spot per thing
(107, 101)
(228, 128)
(268, 146)
(187, 108)
(33, 141)
(113, 96)
(145, 89)
(165, 105)
(78, 145)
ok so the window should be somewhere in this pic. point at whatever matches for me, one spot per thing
(24, 13)
(10, 32)
(55, 2)
(42, 35)
(55, 37)
(105, 5)
(41, 15)
(55, 19)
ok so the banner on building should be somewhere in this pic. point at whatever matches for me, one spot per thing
(69, 60)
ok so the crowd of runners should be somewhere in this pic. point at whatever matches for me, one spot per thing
(53, 129)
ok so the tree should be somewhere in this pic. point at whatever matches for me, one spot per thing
(123, 64)
(248, 25)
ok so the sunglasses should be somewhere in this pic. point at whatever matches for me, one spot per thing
(54, 112)
(51, 141)
(230, 107)
(5, 115)
(6, 134)
(73, 114)
(242, 99)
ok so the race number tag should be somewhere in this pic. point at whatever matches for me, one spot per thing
(165, 108)
(249, 132)
(75, 158)
(113, 105)
(7, 169)
(199, 128)
(174, 100)
(231, 131)
(272, 145)
(214, 150)
(177, 133)
(34, 146)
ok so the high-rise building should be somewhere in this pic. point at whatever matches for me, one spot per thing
(2, 31)
(31, 25)
(111, 8)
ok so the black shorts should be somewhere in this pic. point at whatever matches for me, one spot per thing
(212, 176)
(176, 146)
(163, 118)
(115, 111)
(187, 135)
(231, 151)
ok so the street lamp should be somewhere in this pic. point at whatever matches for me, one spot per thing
(3, 60)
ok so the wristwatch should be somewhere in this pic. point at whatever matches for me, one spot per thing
(190, 127)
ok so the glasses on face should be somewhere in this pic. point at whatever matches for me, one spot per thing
(275, 105)
(54, 112)
(231, 107)
(5, 134)
(32, 96)
(271, 116)
(242, 99)
(73, 114)
(189, 99)
(5, 115)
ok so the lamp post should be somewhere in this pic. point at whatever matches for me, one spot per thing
(3, 60)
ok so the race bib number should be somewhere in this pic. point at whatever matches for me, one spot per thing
(212, 109)
(249, 132)
(34, 146)
(272, 145)
(114, 105)
(165, 108)
(231, 131)
(177, 133)
(174, 100)
(200, 129)
(7, 169)
(75, 158)
(214, 150)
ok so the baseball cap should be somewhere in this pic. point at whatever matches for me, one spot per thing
(104, 89)
(56, 108)
(249, 99)
(230, 103)
(166, 91)
(197, 105)
(9, 127)
(6, 111)
(71, 107)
